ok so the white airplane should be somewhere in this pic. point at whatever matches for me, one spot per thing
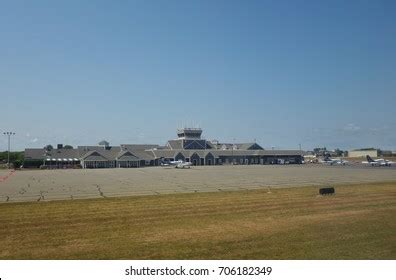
(333, 161)
(177, 164)
(378, 162)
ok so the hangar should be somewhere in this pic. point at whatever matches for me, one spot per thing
(363, 153)
(189, 147)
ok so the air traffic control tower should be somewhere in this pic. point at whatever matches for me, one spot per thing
(189, 133)
(189, 139)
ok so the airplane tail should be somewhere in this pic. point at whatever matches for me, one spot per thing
(369, 159)
(326, 158)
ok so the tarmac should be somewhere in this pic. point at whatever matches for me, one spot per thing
(69, 184)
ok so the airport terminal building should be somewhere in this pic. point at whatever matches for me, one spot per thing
(189, 147)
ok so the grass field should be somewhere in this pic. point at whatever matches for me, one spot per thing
(295, 223)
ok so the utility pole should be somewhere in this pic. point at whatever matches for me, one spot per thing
(233, 144)
(9, 134)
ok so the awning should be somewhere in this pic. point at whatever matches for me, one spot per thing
(65, 159)
(70, 159)
(54, 159)
(59, 159)
(48, 159)
(76, 159)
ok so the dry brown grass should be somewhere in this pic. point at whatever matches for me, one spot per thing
(356, 223)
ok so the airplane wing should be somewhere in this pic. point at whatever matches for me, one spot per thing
(372, 163)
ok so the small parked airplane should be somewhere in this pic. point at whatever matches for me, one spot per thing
(333, 161)
(177, 164)
(378, 162)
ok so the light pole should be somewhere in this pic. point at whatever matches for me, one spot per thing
(9, 134)
(233, 144)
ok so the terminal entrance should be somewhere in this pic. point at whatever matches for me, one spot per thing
(195, 159)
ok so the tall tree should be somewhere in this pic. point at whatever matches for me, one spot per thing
(48, 147)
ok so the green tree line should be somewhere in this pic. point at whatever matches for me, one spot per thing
(16, 158)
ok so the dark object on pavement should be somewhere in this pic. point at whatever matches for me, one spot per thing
(324, 191)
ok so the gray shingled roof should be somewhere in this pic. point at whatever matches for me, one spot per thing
(247, 146)
(111, 153)
(63, 153)
(201, 153)
(34, 153)
(143, 155)
(210, 145)
(257, 152)
(281, 152)
(82, 150)
(175, 144)
(165, 153)
(41, 154)
(185, 153)
(94, 156)
(239, 146)
(218, 153)
(140, 147)
(126, 156)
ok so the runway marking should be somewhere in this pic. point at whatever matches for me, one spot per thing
(41, 196)
(100, 191)
(5, 178)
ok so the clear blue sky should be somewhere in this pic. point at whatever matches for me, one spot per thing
(319, 73)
